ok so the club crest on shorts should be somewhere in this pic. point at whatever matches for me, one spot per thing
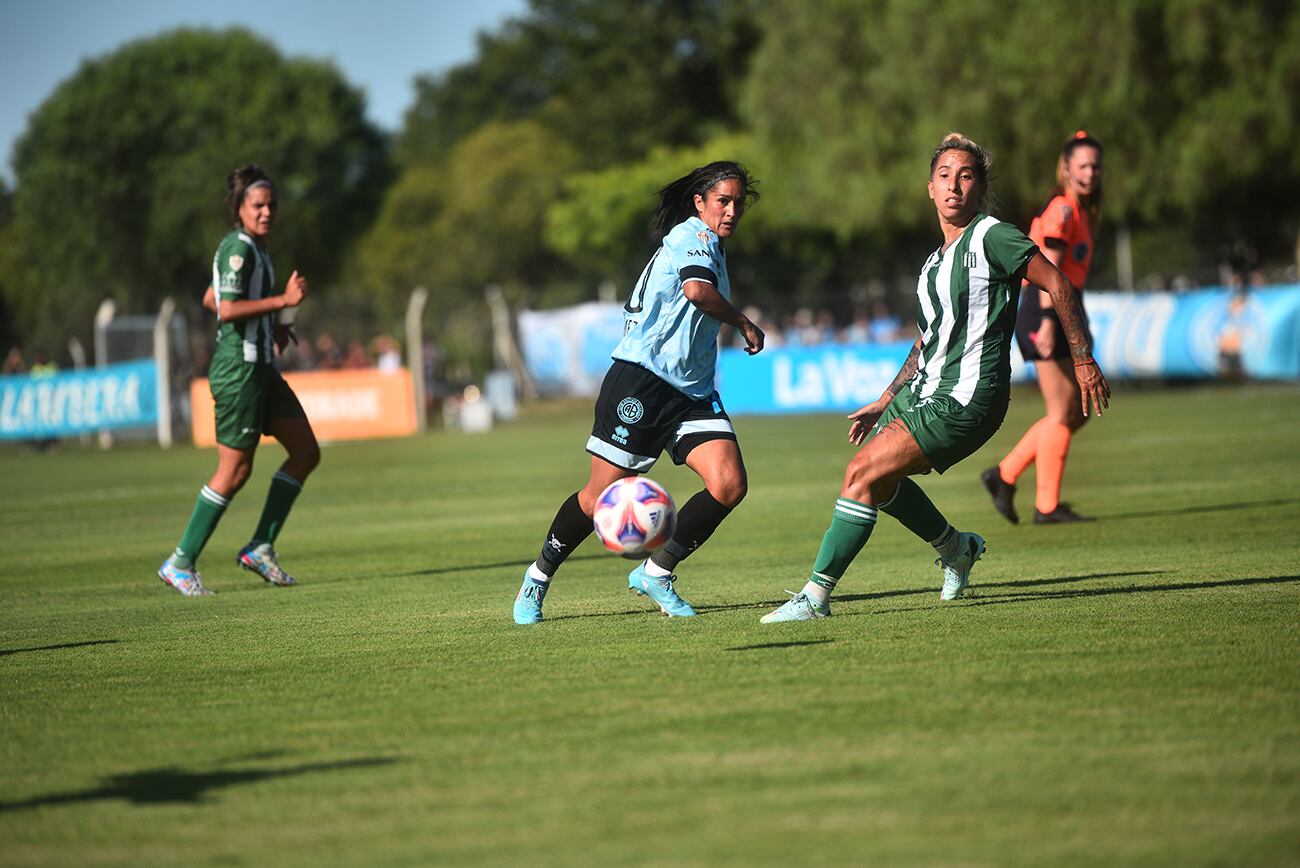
(630, 410)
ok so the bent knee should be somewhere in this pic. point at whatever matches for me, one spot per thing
(730, 492)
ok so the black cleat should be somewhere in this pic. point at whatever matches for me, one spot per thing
(1063, 514)
(1003, 493)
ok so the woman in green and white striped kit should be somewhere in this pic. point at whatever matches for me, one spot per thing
(250, 396)
(952, 392)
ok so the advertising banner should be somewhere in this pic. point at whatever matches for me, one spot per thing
(341, 405)
(1196, 335)
(122, 395)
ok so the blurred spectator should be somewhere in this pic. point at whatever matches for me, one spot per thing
(1231, 339)
(357, 357)
(388, 353)
(42, 367)
(328, 355)
(885, 327)
(299, 357)
(858, 331)
(14, 363)
(824, 327)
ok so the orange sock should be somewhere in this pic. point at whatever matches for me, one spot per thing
(1053, 446)
(1019, 458)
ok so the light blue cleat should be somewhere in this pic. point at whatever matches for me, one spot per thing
(659, 589)
(528, 603)
(261, 559)
(799, 607)
(956, 570)
(188, 582)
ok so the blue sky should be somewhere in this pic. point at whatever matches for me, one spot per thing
(380, 49)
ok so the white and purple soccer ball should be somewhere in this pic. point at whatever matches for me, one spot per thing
(635, 516)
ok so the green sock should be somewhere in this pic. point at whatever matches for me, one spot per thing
(851, 526)
(279, 500)
(915, 511)
(208, 509)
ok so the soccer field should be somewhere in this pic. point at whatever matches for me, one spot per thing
(1123, 692)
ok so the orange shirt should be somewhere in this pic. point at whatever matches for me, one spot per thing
(1064, 221)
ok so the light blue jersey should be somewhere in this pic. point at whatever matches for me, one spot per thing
(662, 331)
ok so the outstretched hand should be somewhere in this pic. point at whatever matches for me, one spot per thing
(754, 337)
(1092, 386)
(865, 418)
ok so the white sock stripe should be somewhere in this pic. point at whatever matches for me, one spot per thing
(860, 510)
(284, 477)
(944, 537)
(212, 497)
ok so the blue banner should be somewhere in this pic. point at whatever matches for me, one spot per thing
(122, 395)
(1201, 334)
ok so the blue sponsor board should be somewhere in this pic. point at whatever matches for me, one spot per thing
(122, 395)
(1136, 335)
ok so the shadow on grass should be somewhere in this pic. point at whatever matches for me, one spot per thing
(523, 565)
(998, 599)
(933, 589)
(1215, 507)
(765, 645)
(171, 785)
(5, 652)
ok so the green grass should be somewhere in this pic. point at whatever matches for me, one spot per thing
(1125, 692)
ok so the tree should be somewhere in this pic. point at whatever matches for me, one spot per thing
(120, 173)
(473, 218)
(613, 79)
(1195, 100)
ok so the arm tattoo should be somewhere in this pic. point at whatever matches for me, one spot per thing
(908, 370)
(1069, 310)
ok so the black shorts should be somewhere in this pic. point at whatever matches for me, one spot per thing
(638, 415)
(1029, 317)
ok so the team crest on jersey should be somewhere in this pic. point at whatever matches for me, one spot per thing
(969, 260)
(1080, 252)
(630, 410)
(236, 262)
(703, 235)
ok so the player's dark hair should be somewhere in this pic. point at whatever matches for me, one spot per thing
(983, 162)
(240, 182)
(677, 199)
(1092, 202)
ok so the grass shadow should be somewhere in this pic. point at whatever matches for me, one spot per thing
(765, 645)
(5, 652)
(438, 571)
(179, 786)
(1000, 599)
(1193, 510)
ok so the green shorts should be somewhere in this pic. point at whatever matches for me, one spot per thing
(248, 395)
(946, 431)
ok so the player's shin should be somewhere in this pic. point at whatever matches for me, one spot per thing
(915, 511)
(696, 522)
(851, 526)
(568, 529)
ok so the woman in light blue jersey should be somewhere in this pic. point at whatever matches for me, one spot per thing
(659, 393)
(952, 392)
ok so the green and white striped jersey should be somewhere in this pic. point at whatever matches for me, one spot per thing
(242, 270)
(967, 318)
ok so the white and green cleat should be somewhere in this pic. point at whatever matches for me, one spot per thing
(956, 570)
(261, 560)
(800, 607)
(187, 581)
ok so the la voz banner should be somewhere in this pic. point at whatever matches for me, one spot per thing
(1136, 335)
(121, 395)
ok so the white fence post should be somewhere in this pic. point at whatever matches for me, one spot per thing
(415, 352)
(162, 364)
(103, 316)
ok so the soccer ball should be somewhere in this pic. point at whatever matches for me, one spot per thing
(634, 516)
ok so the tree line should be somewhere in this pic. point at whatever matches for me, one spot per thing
(534, 165)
